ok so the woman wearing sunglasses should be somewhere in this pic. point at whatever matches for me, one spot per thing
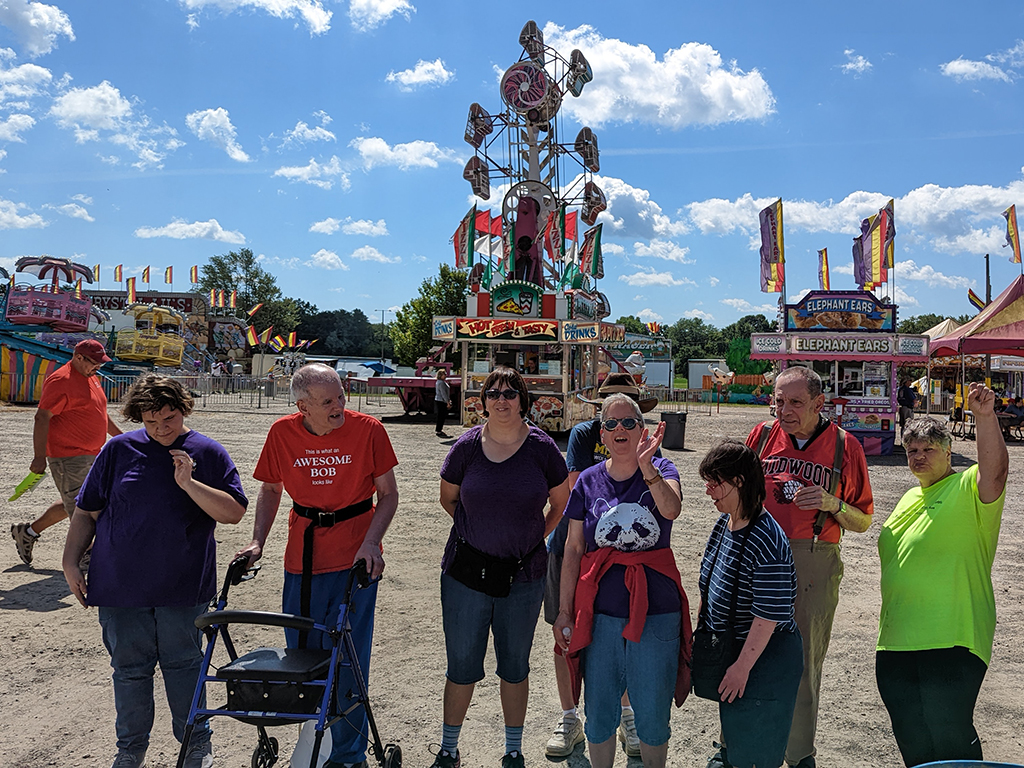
(620, 581)
(495, 483)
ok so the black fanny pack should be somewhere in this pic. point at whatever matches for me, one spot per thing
(486, 573)
(713, 654)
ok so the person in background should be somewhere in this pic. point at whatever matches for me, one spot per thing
(151, 504)
(442, 400)
(907, 399)
(798, 452)
(1015, 409)
(495, 483)
(938, 618)
(71, 425)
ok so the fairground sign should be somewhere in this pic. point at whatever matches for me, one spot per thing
(485, 328)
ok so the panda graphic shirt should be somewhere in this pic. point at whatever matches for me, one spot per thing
(623, 515)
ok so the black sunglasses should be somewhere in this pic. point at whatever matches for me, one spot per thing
(610, 424)
(508, 394)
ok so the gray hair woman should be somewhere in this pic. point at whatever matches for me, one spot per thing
(938, 615)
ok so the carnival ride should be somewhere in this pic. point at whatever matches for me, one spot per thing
(49, 305)
(156, 338)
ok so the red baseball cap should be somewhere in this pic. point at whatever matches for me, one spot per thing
(92, 350)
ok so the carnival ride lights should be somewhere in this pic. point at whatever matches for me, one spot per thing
(48, 304)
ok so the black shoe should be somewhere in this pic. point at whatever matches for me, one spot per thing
(444, 759)
(807, 762)
(720, 759)
(513, 760)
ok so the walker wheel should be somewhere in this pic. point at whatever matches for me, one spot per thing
(392, 756)
(263, 757)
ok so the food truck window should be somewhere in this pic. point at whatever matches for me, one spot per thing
(824, 369)
(851, 379)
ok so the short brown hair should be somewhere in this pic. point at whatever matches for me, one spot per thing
(152, 392)
(729, 461)
(511, 377)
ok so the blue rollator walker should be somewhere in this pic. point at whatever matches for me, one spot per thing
(284, 686)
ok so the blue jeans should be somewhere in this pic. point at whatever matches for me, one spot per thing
(348, 736)
(470, 616)
(611, 664)
(138, 638)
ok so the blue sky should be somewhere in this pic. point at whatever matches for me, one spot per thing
(327, 137)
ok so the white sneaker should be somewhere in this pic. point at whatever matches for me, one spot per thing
(568, 733)
(627, 735)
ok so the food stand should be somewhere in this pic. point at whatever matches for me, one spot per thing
(848, 338)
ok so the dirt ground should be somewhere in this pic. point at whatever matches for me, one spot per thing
(56, 700)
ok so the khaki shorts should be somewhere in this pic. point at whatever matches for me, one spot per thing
(69, 473)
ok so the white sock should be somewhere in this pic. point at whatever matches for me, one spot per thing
(627, 710)
(31, 532)
(566, 713)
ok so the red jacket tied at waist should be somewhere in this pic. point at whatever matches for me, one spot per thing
(592, 568)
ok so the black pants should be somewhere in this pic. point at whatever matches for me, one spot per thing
(930, 696)
(442, 411)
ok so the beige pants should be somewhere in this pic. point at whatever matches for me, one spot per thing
(818, 574)
(69, 473)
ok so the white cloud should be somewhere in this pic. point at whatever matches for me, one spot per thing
(326, 227)
(316, 174)
(73, 210)
(663, 249)
(632, 213)
(325, 259)
(698, 313)
(83, 199)
(366, 227)
(1013, 57)
(425, 73)
(303, 134)
(22, 82)
(713, 280)
(908, 269)
(292, 262)
(36, 25)
(612, 249)
(179, 229)
(648, 315)
(368, 14)
(904, 299)
(214, 126)
(965, 69)
(689, 85)
(742, 305)
(644, 279)
(10, 218)
(311, 12)
(369, 253)
(12, 128)
(855, 65)
(414, 154)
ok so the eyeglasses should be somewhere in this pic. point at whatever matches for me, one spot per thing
(711, 484)
(508, 394)
(611, 424)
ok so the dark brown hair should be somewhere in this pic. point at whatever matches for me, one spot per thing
(512, 378)
(730, 461)
(152, 392)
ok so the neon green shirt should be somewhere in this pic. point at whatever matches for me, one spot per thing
(937, 549)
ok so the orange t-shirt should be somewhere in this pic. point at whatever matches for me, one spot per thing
(79, 408)
(327, 472)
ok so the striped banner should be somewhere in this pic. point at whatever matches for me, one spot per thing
(119, 273)
(193, 275)
(975, 299)
(22, 375)
(145, 275)
(823, 279)
(1012, 234)
(169, 275)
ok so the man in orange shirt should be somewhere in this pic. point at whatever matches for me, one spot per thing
(331, 462)
(71, 426)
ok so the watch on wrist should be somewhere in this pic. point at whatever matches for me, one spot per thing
(656, 479)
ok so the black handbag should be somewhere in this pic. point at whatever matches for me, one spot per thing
(485, 573)
(715, 652)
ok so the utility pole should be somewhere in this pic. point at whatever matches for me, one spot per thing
(988, 300)
(382, 339)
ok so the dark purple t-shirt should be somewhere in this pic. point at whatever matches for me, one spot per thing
(500, 509)
(622, 514)
(154, 546)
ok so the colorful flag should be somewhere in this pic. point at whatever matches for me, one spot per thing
(278, 343)
(975, 299)
(78, 289)
(265, 336)
(130, 287)
(96, 273)
(1012, 235)
(773, 277)
(220, 298)
(591, 260)
(250, 336)
(877, 246)
(772, 247)
(193, 275)
(823, 281)
(311, 343)
(169, 275)
(118, 273)
(255, 309)
(234, 300)
(483, 221)
(654, 327)
(570, 226)
(293, 339)
(554, 234)
(145, 275)
(464, 238)
(213, 298)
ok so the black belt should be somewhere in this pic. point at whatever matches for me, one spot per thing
(319, 518)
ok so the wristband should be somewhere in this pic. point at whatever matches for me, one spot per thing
(654, 480)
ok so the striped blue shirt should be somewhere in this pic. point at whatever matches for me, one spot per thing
(767, 577)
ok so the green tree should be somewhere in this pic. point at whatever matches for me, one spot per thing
(241, 272)
(692, 338)
(737, 356)
(744, 327)
(443, 295)
(921, 323)
(634, 325)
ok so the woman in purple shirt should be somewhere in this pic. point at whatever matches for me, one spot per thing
(495, 483)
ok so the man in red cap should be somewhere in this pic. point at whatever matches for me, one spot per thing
(71, 426)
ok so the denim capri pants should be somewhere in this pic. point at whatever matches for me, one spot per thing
(470, 616)
(611, 664)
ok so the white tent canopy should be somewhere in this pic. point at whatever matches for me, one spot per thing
(944, 328)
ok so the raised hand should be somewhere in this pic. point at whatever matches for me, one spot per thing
(649, 444)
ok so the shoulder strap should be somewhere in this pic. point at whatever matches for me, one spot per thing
(837, 468)
(762, 441)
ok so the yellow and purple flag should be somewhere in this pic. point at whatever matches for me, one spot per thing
(145, 275)
(169, 275)
(220, 298)
(193, 274)
(823, 280)
(265, 336)
(130, 287)
(118, 273)
(96, 273)
(250, 336)
(213, 298)
(254, 310)
(975, 299)
(773, 252)
(78, 289)
(278, 343)
(1012, 234)
(234, 300)
(293, 339)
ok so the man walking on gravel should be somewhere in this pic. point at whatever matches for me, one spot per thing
(71, 425)
(332, 462)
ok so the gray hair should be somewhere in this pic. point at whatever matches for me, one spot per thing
(925, 429)
(620, 397)
(810, 379)
(311, 375)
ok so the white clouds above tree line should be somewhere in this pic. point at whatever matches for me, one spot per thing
(179, 229)
(414, 154)
(365, 15)
(311, 12)
(961, 69)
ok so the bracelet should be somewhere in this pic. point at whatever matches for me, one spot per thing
(654, 480)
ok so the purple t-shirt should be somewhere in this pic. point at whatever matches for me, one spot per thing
(154, 546)
(622, 514)
(500, 509)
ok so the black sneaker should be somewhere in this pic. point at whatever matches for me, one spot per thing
(720, 758)
(445, 759)
(513, 760)
(807, 762)
(24, 541)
